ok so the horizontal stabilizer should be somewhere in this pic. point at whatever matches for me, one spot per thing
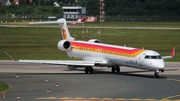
(59, 21)
(48, 22)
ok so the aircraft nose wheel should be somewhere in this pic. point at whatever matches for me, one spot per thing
(156, 74)
(89, 69)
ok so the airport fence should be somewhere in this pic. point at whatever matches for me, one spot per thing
(142, 18)
(31, 17)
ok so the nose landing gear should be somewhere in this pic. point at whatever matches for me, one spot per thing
(156, 74)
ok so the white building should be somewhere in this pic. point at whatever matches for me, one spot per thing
(3, 2)
(8, 3)
(74, 12)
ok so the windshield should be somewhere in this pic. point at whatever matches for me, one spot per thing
(153, 57)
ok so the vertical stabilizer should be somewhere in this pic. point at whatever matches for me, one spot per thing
(63, 25)
(65, 43)
(64, 30)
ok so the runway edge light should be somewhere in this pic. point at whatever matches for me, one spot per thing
(48, 91)
(18, 97)
(17, 76)
(57, 85)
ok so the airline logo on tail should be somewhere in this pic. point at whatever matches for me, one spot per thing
(64, 34)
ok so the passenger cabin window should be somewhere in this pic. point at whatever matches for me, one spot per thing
(153, 57)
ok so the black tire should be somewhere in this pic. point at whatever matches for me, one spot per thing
(156, 75)
(113, 69)
(117, 69)
(91, 70)
(86, 70)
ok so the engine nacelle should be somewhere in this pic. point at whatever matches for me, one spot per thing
(94, 41)
(64, 45)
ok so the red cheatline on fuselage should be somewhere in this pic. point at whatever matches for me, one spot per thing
(107, 48)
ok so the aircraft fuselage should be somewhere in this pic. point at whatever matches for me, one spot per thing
(113, 55)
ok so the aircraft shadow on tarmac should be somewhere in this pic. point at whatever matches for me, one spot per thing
(130, 73)
(99, 71)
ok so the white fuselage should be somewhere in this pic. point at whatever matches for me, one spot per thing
(113, 55)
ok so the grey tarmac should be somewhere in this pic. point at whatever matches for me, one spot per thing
(129, 85)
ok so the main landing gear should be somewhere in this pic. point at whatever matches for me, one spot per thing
(156, 74)
(89, 69)
(115, 69)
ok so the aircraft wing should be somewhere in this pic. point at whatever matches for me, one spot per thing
(63, 62)
(172, 54)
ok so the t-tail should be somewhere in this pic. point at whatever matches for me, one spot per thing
(65, 31)
(63, 26)
(65, 43)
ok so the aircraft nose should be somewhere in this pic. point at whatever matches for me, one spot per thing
(160, 65)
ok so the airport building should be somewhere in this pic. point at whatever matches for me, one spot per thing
(74, 12)
(3, 2)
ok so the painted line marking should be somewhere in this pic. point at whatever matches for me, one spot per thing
(134, 99)
(149, 99)
(65, 98)
(169, 97)
(173, 96)
(79, 98)
(93, 98)
(176, 80)
(106, 99)
(121, 99)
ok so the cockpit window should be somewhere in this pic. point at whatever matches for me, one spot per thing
(147, 57)
(153, 57)
(159, 57)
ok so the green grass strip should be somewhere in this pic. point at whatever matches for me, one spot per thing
(40, 43)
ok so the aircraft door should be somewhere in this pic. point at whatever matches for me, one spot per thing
(140, 60)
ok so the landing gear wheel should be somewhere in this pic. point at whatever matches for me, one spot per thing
(156, 74)
(86, 70)
(117, 69)
(113, 69)
(89, 69)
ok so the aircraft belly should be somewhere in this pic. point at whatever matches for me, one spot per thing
(115, 60)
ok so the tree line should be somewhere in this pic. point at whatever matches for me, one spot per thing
(112, 7)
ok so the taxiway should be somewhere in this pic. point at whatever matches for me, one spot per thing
(130, 84)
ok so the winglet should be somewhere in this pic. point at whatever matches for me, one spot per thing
(173, 52)
(171, 55)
